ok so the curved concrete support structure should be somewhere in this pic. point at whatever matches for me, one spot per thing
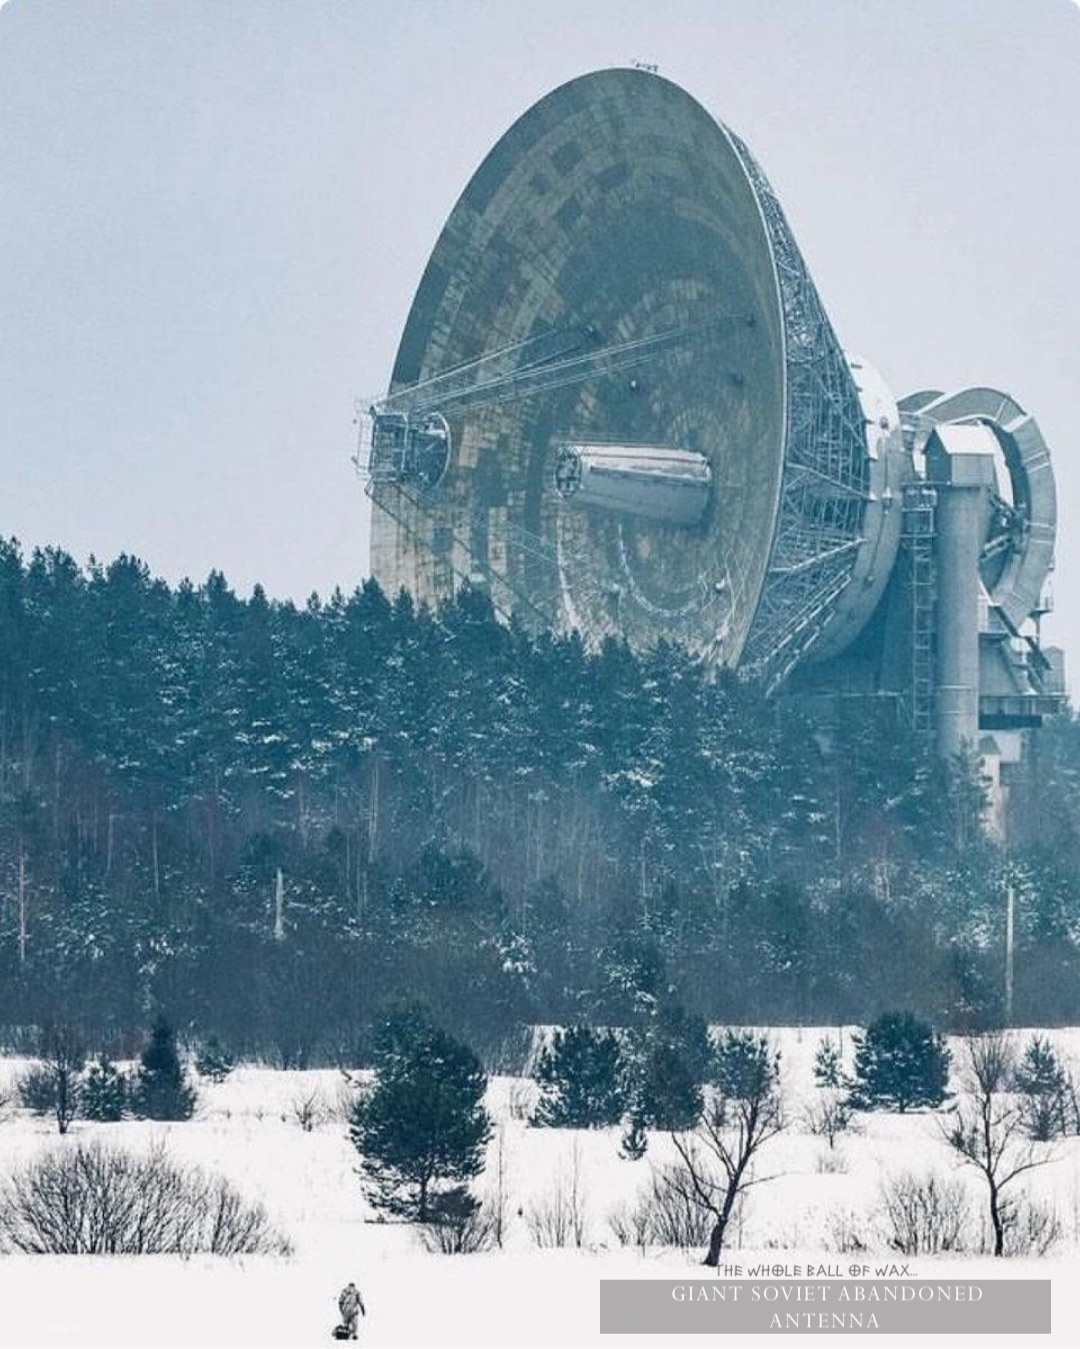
(1015, 584)
(1018, 592)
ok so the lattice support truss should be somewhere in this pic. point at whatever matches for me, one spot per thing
(825, 484)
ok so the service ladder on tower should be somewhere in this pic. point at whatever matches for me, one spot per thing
(920, 503)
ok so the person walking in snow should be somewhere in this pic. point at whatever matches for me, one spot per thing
(351, 1306)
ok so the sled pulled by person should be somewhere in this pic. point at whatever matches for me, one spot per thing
(351, 1306)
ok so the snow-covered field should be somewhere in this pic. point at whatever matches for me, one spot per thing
(247, 1128)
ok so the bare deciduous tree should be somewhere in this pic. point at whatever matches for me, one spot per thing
(64, 1056)
(310, 1108)
(716, 1158)
(987, 1127)
(829, 1115)
(498, 1199)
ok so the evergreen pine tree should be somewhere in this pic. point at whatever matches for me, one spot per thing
(214, 1061)
(104, 1091)
(671, 1090)
(745, 1066)
(828, 1067)
(162, 1090)
(580, 1076)
(671, 1063)
(422, 1128)
(1043, 1086)
(901, 1063)
(635, 1141)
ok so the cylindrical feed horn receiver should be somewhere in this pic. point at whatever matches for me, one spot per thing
(650, 482)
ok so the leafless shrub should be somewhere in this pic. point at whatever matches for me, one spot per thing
(631, 1224)
(829, 1116)
(926, 1215)
(232, 1226)
(548, 1219)
(667, 1212)
(36, 1089)
(93, 1200)
(677, 1216)
(521, 1101)
(559, 1217)
(344, 1098)
(831, 1162)
(1031, 1228)
(310, 1109)
(847, 1232)
(462, 1234)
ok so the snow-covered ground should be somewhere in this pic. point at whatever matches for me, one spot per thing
(248, 1129)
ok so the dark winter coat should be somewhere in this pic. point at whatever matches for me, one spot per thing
(350, 1302)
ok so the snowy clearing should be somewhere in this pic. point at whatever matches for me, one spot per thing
(248, 1128)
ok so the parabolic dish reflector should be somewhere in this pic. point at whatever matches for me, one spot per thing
(616, 298)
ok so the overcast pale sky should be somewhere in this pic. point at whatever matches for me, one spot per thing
(214, 213)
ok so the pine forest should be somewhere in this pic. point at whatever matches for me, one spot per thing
(269, 823)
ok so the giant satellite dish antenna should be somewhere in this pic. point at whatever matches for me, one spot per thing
(618, 402)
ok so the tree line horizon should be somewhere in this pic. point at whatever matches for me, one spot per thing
(269, 821)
